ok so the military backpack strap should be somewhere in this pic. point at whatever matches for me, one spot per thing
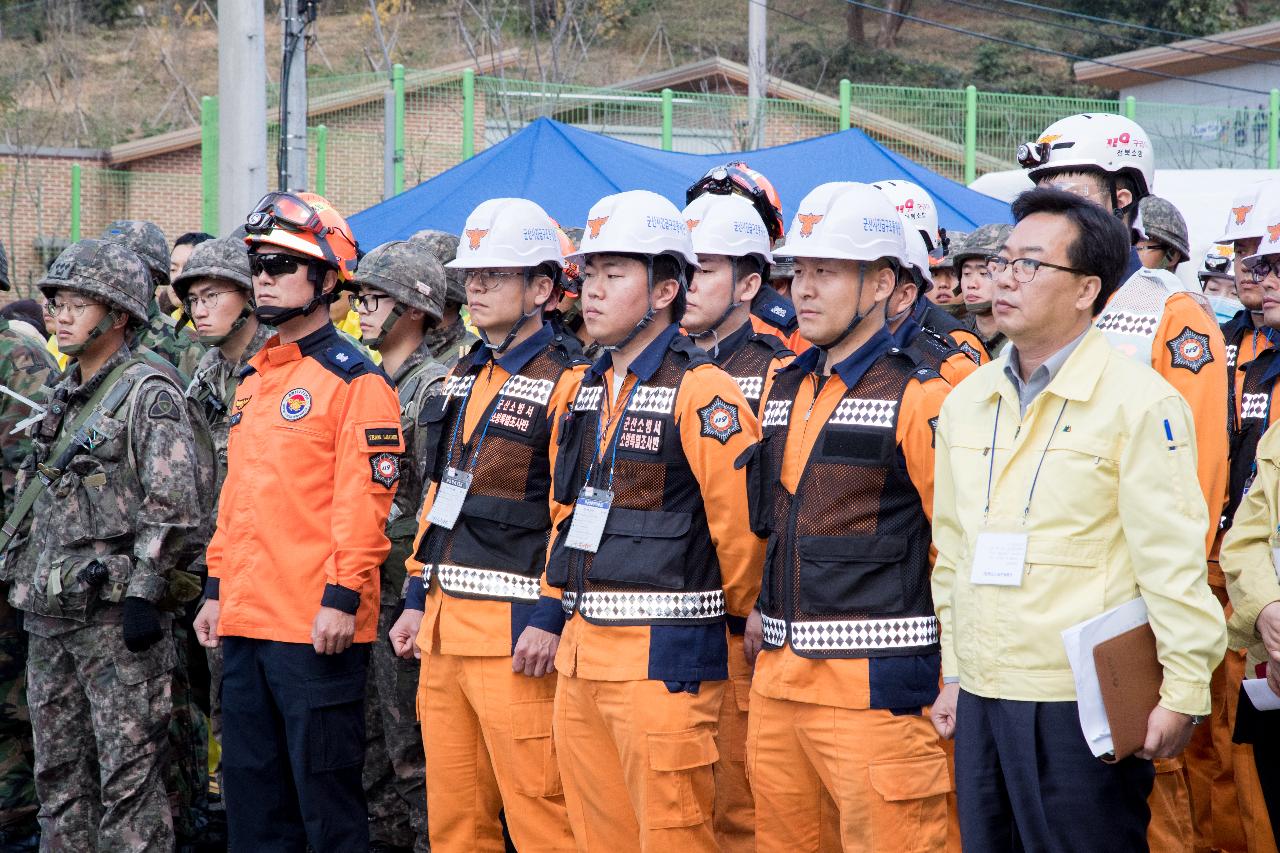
(113, 391)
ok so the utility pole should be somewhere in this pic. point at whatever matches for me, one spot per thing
(757, 67)
(242, 94)
(296, 16)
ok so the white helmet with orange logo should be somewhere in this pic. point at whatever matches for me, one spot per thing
(916, 208)
(1099, 141)
(508, 232)
(845, 220)
(636, 222)
(727, 225)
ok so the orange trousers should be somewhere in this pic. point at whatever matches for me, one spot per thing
(834, 779)
(486, 732)
(734, 811)
(637, 764)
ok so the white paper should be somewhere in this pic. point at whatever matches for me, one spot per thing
(999, 559)
(1080, 641)
(1260, 694)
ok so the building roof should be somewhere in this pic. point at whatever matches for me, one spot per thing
(1185, 58)
(189, 137)
(719, 75)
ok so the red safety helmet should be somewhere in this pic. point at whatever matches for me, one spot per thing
(739, 178)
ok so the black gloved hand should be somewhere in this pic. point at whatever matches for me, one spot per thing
(141, 624)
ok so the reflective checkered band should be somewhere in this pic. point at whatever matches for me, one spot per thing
(776, 413)
(775, 630)
(1127, 323)
(486, 583)
(525, 388)
(1232, 352)
(751, 386)
(660, 401)
(588, 398)
(1254, 406)
(459, 386)
(861, 634)
(646, 606)
(854, 411)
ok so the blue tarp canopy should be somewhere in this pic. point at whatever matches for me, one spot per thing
(566, 170)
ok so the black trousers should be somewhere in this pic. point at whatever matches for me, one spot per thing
(1262, 729)
(1026, 781)
(293, 747)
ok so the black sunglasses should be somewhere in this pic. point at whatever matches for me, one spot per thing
(274, 265)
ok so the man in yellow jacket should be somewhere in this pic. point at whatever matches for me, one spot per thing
(1089, 499)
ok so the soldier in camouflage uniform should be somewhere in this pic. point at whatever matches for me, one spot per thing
(1163, 241)
(976, 287)
(161, 334)
(25, 368)
(118, 454)
(401, 293)
(188, 770)
(450, 339)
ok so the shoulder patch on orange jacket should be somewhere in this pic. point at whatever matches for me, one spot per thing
(378, 437)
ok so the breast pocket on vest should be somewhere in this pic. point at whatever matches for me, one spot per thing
(497, 534)
(643, 548)
(859, 444)
(842, 574)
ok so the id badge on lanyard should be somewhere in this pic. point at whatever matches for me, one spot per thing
(590, 512)
(450, 495)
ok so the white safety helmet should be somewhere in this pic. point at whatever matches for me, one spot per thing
(727, 225)
(916, 208)
(1244, 219)
(1217, 263)
(917, 255)
(636, 222)
(1104, 141)
(508, 232)
(846, 221)
(1269, 226)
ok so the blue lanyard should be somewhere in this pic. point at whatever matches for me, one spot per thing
(991, 462)
(601, 428)
(462, 416)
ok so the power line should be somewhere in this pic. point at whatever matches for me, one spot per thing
(1038, 49)
(1092, 32)
(1135, 26)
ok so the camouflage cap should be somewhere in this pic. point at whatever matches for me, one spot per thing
(984, 241)
(445, 247)
(4, 269)
(1165, 224)
(408, 272)
(147, 241)
(104, 270)
(225, 258)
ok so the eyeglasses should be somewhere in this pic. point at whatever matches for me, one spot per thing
(209, 300)
(274, 265)
(1262, 269)
(483, 281)
(1024, 269)
(367, 303)
(54, 307)
(1149, 247)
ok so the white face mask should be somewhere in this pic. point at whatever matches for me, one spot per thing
(1224, 307)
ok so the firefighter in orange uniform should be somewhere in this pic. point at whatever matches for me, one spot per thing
(487, 642)
(313, 460)
(732, 246)
(838, 750)
(656, 554)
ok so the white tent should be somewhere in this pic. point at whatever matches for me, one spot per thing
(1203, 195)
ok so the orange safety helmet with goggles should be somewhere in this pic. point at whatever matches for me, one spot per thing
(737, 177)
(304, 224)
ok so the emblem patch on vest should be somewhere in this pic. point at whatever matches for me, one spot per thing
(295, 404)
(969, 350)
(720, 420)
(1190, 350)
(386, 468)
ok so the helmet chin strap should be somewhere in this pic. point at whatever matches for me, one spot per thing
(1119, 212)
(644, 321)
(858, 316)
(218, 340)
(108, 320)
(714, 329)
(274, 316)
(397, 311)
(978, 307)
(517, 325)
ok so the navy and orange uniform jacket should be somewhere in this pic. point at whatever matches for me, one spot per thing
(929, 333)
(1256, 412)
(677, 558)
(752, 358)
(773, 314)
(478, 583)
(313, 460)
(842, 482)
